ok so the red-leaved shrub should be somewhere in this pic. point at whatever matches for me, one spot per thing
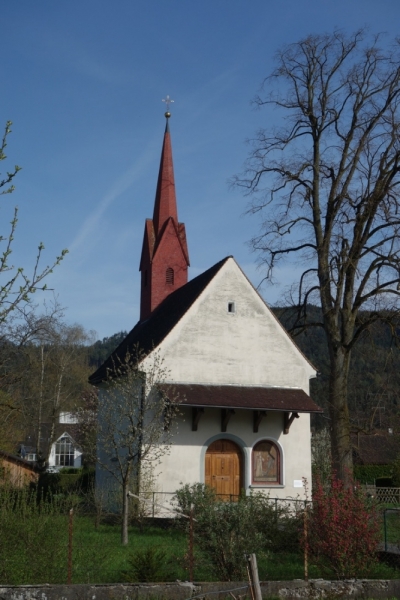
(343, 529)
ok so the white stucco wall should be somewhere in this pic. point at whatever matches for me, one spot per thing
(247, 347)
(185, 463)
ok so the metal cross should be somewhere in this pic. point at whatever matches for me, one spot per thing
(167, 101)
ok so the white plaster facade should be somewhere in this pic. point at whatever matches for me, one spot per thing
(230, 337)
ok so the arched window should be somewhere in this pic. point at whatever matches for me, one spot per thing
(266, 463)
(169, 276)
(64, 452)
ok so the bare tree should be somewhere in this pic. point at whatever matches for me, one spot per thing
(325, 187)
(135, 424)
(16, 290)
(16, 287)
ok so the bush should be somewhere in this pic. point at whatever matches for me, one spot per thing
(369, 473)
(149, 565)
(226, 531)
(33, 537)
(343, 530)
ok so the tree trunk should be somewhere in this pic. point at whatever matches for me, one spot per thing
(342, 457)
(125, 514)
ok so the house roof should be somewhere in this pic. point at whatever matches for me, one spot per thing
(234, 396)
(17, 460)
(148, 334)
(375, 449)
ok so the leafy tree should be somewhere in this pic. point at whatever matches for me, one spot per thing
(135, 424)
(325, 188)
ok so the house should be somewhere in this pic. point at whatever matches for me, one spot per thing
(64, 451)
(242, 382)
(16, 471)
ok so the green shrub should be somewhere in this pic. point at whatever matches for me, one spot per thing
(33, 537)
(149, 565)
(226, 531)
(369, 473)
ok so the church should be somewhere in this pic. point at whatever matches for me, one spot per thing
(242, 383)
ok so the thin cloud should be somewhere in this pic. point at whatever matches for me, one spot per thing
(123, 183)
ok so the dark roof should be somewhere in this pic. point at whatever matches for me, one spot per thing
(148, 334)
(235, 396)
(375, 449)
(17, 460)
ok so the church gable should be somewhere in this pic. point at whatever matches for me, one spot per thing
(230, 336)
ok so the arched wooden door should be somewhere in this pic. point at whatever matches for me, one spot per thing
(223, 468)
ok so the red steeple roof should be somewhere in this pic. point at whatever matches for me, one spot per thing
(165, 202)
(165, 259)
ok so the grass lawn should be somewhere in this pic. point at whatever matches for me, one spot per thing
(100, 558)
(154, 554)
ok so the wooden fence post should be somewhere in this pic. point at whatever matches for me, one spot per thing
(191, 545)
(254, 576)
(306, 542)
(71, 517)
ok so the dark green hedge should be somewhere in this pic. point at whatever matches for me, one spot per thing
(370, 473)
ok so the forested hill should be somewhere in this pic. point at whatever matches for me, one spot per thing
(374, 386)
(374, 383)
(103, 348)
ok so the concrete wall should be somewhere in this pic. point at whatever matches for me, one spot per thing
(185, 463)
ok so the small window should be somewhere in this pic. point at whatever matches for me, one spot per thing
(266, 463)
(169, 276)
(231, 308)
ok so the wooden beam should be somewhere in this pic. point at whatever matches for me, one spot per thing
(226, 414)
(196, 414)
(258, 416)
(288, 420)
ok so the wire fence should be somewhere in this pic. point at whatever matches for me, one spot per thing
(85, 547)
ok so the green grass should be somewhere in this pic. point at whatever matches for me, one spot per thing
(99, 557)
(112, 562)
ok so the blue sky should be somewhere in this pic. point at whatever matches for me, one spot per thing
(83, 84)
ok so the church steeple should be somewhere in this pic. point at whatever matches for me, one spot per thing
(165, 202)
(165, 259)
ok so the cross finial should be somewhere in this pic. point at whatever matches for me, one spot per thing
(168, 102)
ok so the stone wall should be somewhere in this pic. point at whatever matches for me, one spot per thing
(317, 588)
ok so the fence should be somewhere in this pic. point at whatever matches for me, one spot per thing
(387, 495)
(391, 530)
(160, 549)
(155, 502)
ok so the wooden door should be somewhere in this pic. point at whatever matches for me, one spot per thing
(223, 468)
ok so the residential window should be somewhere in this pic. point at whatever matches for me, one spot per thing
(169, 276)
(64, 452)
(266, 463)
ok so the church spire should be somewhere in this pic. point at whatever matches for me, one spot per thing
(165, 202)
(165, 259)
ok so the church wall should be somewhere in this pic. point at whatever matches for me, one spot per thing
(185, 463)
(245, 347)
